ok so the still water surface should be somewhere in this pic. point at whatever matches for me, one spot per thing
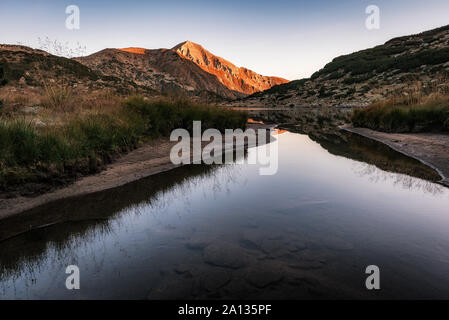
(226, 232)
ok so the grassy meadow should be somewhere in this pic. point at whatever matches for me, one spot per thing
(72, 135)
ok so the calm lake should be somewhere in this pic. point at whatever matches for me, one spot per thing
(224, 231)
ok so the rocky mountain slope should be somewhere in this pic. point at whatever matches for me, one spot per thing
(186, 70)
(187, 67)
(24, 67)
(162, 70)
(235, 78)
(412, 63)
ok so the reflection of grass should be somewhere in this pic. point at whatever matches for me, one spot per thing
(375, 153)
(84, 141)
(89, 219)
(403, 115)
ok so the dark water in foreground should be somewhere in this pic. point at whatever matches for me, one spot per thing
(226, 232)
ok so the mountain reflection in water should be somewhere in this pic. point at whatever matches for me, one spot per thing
(226, 232)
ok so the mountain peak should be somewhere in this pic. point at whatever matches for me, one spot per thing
(237, 79)
(223, 72)
(187, 44)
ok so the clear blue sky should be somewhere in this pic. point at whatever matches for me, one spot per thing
(286, 38)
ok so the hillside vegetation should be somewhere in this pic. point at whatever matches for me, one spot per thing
(56, 145)
(367, 76)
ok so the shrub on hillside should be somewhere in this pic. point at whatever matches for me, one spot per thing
(381, 59)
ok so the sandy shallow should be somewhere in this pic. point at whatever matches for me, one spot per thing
(431, 149)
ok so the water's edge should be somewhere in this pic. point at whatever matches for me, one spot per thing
(136, 165)
(444, 180)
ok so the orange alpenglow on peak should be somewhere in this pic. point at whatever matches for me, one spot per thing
(135, 50)
(233, 77)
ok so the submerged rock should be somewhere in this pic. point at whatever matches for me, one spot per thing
(173, 290)
(271, 246)
(197, 244)
(307, 265)
(262, 276)
(225, 255)
(239, 289)
(182, 269)
(215, 279)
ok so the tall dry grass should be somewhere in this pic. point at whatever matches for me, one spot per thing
(94, 130)
(417, 109)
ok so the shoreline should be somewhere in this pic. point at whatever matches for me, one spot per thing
(150, 159)
(153, 158)
(430, 149)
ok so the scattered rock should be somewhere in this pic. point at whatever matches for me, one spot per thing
(182, 269)
(39, 123)
(296, 245)
(311, 255)
(298, 277)
(252, 238)
(215, 279)
(271, 246)
(197, 244)
(224, 255)
(244, 243)
(174, 290)
(307, 265)
(239, 289)
(264, 276)
(30, 110)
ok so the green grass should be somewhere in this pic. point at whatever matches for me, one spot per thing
(29, 153)
(428, 116)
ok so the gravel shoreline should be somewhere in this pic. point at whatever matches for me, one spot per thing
(432, 149)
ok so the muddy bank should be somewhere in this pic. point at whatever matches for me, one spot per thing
(150, 159)
(431, 149)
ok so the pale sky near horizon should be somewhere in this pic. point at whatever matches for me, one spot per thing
(286, 38)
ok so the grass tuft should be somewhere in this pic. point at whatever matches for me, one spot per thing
(92, 138)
